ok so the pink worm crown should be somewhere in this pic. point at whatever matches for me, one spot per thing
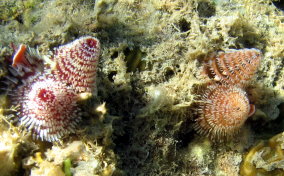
(48, 101)
(76, 63)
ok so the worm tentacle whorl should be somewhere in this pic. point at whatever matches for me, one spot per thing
(48, 94)
(48, 107)
(76, 63)
(235, 67)
(222, 111)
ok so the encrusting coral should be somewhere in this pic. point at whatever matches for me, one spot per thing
(149, 74)
(86, 159)
(9, 148)
(265, 158)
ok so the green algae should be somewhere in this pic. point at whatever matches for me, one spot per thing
(67, 167)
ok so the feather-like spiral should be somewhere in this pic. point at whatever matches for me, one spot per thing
(76, 63)
(47, 107)
(222, 111)
(236, 67)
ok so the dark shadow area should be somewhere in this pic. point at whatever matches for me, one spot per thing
(206, 9)
(247, 37)
(184, 25)
(279, 4)
(134, 59)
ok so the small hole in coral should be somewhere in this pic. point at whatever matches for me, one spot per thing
(248, 44)
(126, 51)
(168, 127)
(178, 68)
(184, 136)
(152, 128)
(184, 25)
(114, 55)
(111, 75)
(133, 59)
(19, 19)
(169, 74)
(281, 114)
(75, 33)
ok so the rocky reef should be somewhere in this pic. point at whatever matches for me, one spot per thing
(150, 75)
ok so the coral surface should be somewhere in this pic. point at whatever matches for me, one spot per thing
(148, 79)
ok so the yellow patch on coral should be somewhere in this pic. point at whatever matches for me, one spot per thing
(266, 158)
